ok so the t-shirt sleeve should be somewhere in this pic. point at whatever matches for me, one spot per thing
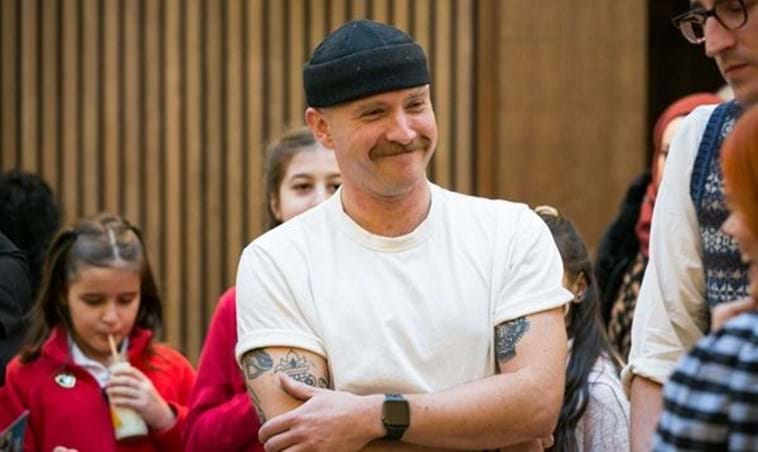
(533, 272)
(270, 302)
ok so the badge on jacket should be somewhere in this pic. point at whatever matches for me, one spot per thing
(65, 380)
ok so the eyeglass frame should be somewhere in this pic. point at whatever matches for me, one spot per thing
(706, 13)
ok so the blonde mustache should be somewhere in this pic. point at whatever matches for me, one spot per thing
(392, 148)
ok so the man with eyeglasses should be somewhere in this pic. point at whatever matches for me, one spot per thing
(693, 265)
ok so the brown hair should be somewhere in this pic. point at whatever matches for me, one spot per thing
(101, 241)
(739, 159)
(279, 154)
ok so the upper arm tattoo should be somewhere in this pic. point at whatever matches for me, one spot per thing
(257, 362)
(507, 335)
(299, 368)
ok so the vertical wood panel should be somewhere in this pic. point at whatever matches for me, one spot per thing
(462, 109)
(400, 17)
(88, 127)
(10, 116)
(29, 85)
(50, 67)
(235, 196)
(132, 184)
(297, 55)
(358, 9)
(317, 25)
(380, 10)
(172, 249)
(441, 89)
(70, 99)
(275, 63)
(111, 105)
(151, 129)
(338, 13)
(254, 128)
(193, 269)
(211, 215)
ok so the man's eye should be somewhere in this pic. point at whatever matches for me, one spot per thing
(371, 113)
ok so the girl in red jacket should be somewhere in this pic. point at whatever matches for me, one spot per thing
(97, 284)
(299, 174)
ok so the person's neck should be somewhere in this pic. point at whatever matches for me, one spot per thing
(388, 216)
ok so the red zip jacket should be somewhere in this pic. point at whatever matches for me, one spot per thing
(221, 415)
(78, 417)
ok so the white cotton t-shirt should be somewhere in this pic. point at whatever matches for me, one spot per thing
(406, 314)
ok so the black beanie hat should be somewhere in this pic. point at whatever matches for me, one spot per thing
(360, 59)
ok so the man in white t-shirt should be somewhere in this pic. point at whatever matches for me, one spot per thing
(398, 314)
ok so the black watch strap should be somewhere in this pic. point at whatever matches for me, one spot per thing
(395, 416)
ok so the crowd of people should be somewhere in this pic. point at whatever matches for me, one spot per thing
(383, 312)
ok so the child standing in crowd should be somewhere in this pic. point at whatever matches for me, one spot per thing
(300, 174)
(710, 402)
(97, 287)
(595, 413)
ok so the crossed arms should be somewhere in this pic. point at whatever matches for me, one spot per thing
(520, 404)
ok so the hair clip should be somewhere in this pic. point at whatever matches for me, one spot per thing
(547, 210)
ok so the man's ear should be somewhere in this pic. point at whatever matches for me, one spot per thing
(316, 120)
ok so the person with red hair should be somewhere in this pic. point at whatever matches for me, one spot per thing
(710, 400)
(624, 249)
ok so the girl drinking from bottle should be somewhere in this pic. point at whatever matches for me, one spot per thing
(97, 287)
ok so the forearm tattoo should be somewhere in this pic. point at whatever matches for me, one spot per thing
(507, 335)
(257, 362)
(257, 404)
(299, 368)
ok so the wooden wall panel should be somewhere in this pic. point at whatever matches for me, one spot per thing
(160, 110)
(571, 105)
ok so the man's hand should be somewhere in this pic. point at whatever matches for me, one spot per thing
(726, 311)
(327, 421)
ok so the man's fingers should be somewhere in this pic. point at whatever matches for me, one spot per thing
(274, 426)
(282, 441)
(300, 391)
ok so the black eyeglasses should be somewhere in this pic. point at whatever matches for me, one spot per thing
(731, 14)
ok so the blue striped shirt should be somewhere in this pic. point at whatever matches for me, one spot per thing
(711, 400)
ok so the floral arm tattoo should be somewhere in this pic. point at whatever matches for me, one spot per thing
(295, 365)
(507, 335)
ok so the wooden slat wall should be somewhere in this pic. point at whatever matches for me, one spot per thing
(565, 108)
(159, 110)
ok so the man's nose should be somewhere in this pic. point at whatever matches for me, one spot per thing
(717, 37)
(401, 131)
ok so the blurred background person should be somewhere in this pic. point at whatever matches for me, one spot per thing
(623, 252)
(300, 173)
(595, 412)
(29, 217)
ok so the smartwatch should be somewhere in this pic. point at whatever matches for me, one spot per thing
(396, 416)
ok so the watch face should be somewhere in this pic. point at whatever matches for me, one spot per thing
(396, 412)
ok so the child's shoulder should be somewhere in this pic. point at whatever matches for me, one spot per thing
(164, 353)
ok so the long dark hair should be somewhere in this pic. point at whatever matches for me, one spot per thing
(29, 217)
(584, 326)
(279, 154)
(101, 241)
